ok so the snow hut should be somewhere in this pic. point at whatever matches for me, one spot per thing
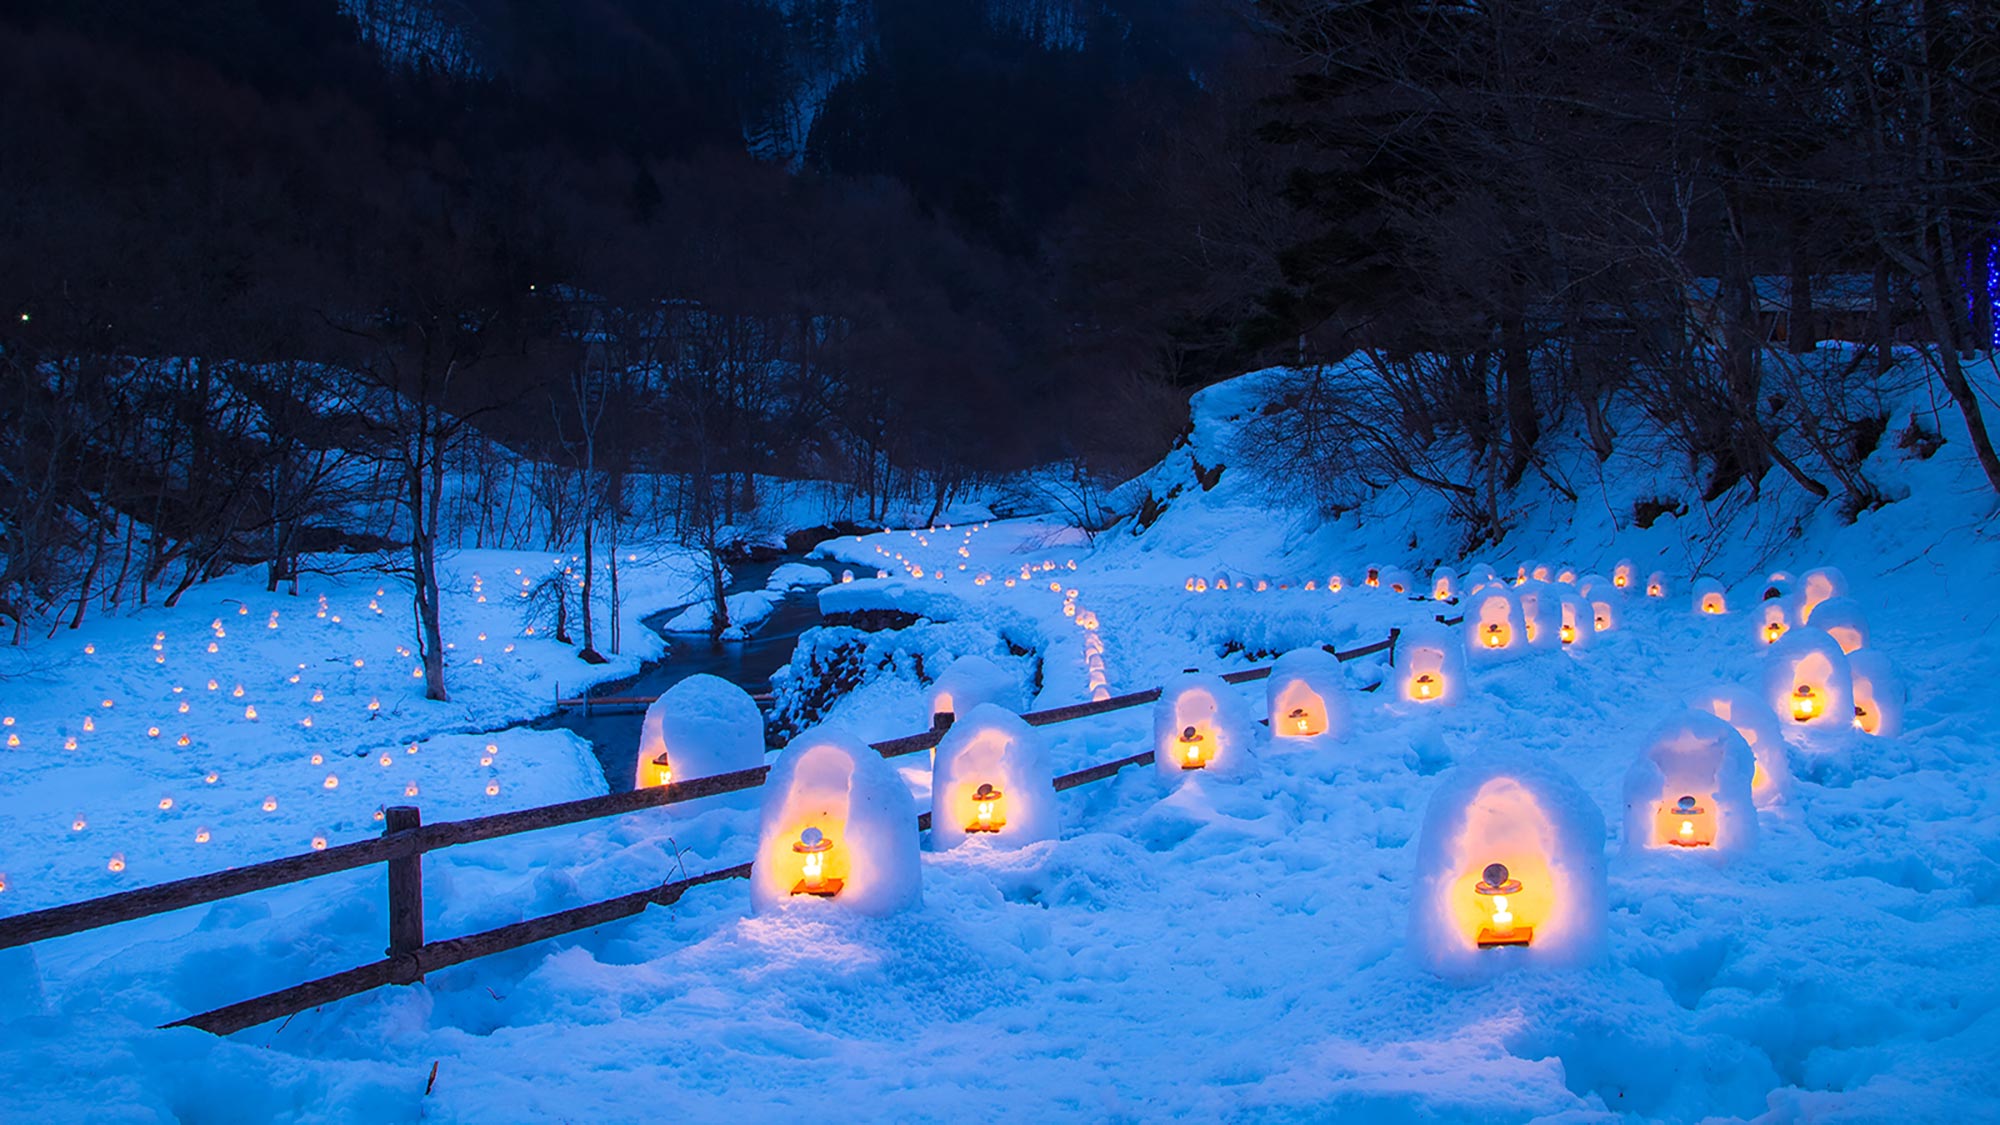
(1541, 614)
(1200, 724)
(1307, 695)
(1781, 584)
(992, 780)
(1843, 620)
(1594, 584)
(1430, 664)
(1575, 624)
(1821, 583)
(1603, 609)
(701, 727)
(1444, 584)
(968, 682)
(1656, 584)
(1878, 693)
(1510, 857)
(1809, 682)
(1774, 618)
(1526, 571)
(1397, 580)
(837, 823)
(1690, 789)
(1770, 773)
(1709, 597)
(1493, 622)
(1624, 575)
(1566, 575)
(1372, 576)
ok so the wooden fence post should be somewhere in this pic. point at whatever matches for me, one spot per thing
(406, 898)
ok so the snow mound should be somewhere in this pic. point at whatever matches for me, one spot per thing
(702, 726)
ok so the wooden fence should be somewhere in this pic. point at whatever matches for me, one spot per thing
(405, 839)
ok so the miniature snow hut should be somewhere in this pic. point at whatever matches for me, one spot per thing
(992, 780)
(1307, 695)
(1444, 584)
(1603, 609)
(1781, 584)
(1690, 789)
(1397, 580)
(968, 682)
(1200, 725)
(1430, 665)
(1878, 693)
(1844, 621)
(1575, 625)
(702, 726)
(1493, 622)
(838, 823)
(1656, 584)
(1709, 597)
(1809, 682)
(1821, 583)
(1511, 857)
(1774, 618)
(1624, 575)
(1541, 614)
(1771, 774)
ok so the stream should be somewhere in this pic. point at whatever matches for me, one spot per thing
(748, 664)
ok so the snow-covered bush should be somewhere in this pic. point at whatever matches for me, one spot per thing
(837, 823)
(1306, 695)
(1506, 814)
(1201, 725)
(1690, 789)
(992, 780)
(703, 725)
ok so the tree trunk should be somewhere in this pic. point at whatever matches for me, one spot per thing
(1523, 427)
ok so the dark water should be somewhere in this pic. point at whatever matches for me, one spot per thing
(746, 663)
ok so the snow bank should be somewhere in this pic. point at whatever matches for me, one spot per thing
(837, 824)
(1689, 790)
(702, 726)
(747, 610)
(797, 576)
(992, 781)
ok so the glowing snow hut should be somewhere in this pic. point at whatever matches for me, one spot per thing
(1770, 774)
(1444, 584)
(1821, 583)
(992, 781)
(1397, 580)
(970, 681)
(1844, 621)
(1690, 789)
(1430, 665)
(1781, 584)
(1510, 865)
(1574, 623)
(1809, 683)
(1307, 695)
(1201, 725)
(1656, 584)
(1710, 597)
(1774, 618)
(1878, 693)
(1603, 609)
(1541, 613)
(1624, 575)
(1493, 623)
(838, 824)
(703, 726)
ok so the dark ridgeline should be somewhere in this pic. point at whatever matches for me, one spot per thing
(284, 275)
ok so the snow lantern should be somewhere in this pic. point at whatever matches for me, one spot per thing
(1511, 854)
(1878, 692)
(1372, 576)
(1200, 724)
(1593, 584)
(703, 726)
(1709, 597)
(1335, 583)
(1575, 624)
(1540, 572)
(1770, 773)
(1430, 662)
(1775, 618)
(1541, 614)
(1821, 583)
(1843, 620)
(992, 780)
(1566, 575)
(968, 682)
(1525, 571)
(1493, 622)
(1603, 610)
(1809, 682)
(838, 823)
(1656, 584)
(1781, 584)
(1624, 575)
(1397, 580)
(1690, 788)
(1306, 693)
(1444, 584)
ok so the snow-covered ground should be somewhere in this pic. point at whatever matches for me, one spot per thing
(1221, 948)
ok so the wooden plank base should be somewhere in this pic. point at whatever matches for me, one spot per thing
(1521, 935)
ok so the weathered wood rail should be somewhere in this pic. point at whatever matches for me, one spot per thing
(405, 839)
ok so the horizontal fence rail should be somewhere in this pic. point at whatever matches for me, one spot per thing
(405, 840)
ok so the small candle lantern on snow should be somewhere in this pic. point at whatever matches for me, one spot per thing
(1819, 584)
(1878, 693)
(1771, 774)
(1690, 788)
(837, 823)
(1200, 724)
(1624, 575)
(1656, 584)
(992, 779)
(968, 682)
(1372, 576)
(702, 726)
(1843, 620)
(1511, 855)
(1809, 680)
(1444, 584)
(1493, 622)
(1709, 597)
(1306, 694)
(1430, 661)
